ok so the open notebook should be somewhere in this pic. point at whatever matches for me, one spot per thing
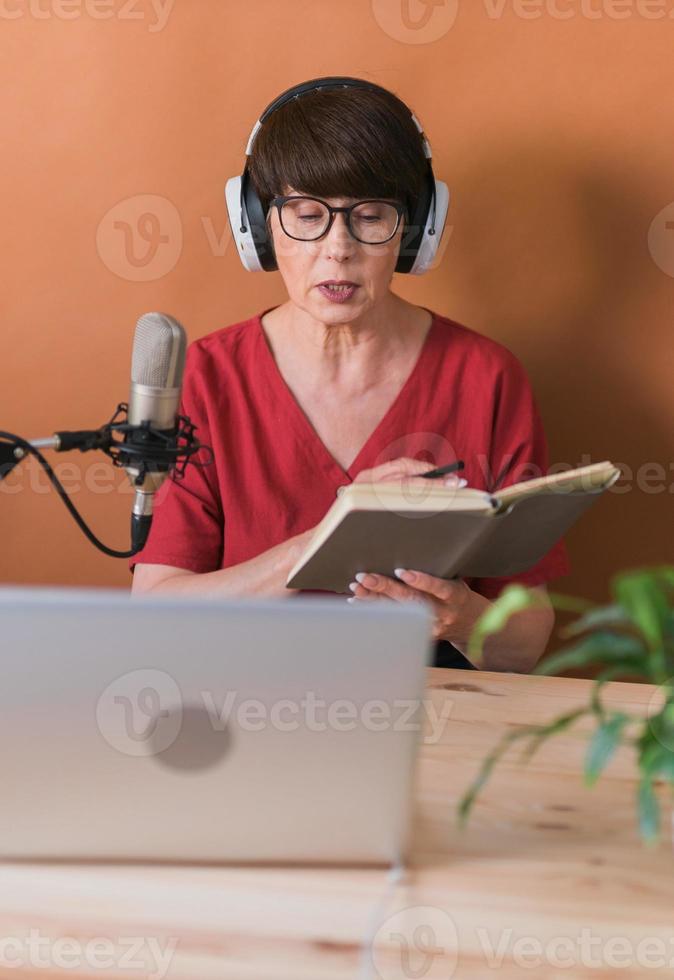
(377, 527)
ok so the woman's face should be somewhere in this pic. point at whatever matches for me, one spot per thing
(336, 257)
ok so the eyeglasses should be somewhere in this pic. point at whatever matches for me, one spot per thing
(308, 218)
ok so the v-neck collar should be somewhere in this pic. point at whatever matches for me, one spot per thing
(304, 427)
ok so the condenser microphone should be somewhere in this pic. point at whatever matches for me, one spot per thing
(157, 366)
(149, 437)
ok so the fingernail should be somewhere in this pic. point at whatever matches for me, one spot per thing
(353, 586)
(404, 574)
(360, 576)
(352, 598)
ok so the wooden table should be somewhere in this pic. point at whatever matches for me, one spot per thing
(549, 878)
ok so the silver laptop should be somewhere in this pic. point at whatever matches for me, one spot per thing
(156, 728)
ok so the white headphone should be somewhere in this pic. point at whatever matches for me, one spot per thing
(247, 219)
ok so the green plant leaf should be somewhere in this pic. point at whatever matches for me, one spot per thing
(663, 765)
(649, 811)
(603, 745)
(642, 594)
(599, 647)
(538, 732)
(513, 599)
(656, 745)
(633, 636)
(569, 603)
(606, 616)
(609, 674)
(468, 799)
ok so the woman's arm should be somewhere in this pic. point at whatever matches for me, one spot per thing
(521, 643)
(264, 575)
(457, 608)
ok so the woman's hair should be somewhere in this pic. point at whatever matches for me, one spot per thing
(346, 142)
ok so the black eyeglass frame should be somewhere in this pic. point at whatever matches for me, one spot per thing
(278, 202)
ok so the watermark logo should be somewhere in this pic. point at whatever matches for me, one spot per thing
(413, 491)
(661, 240)
(563, 10)
(415, 21)
(588, 951)
(140, 239)
(142, 956)
(416, 943)
(140, 713)
(154, 13)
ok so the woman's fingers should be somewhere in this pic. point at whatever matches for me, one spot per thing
(408, 470)
(395, 469)
(369, 585)
(446, 590)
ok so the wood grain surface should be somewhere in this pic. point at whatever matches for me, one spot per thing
(549, 880)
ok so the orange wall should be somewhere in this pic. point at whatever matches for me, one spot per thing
(554, 135)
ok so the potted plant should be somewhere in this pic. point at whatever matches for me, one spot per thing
(633, 637)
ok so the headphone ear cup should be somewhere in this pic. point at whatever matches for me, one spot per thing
(240, 226)
(258, 225)
(415, 227)
(430, 243)
(248, 226)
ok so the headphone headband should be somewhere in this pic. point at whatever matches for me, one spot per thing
(248, 221)
(330, 84)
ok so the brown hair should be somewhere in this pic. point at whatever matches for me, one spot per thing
(346, 142)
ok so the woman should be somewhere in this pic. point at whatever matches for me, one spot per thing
(344, 381)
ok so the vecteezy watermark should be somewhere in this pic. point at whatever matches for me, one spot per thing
(125, 955)
(586, 949)
(142, 713)
(425, 21)
(75, 477)
(155, 13)
(653, 477)
(315, 714)
(587, 9)
(422, 942)
(416, 942)
(661, 240)
(141, 238)
(415, 497)
(101, 477)
(415, 21)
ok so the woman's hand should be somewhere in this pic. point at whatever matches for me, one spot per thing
(407, 471)
(284, 556)
(455, 606)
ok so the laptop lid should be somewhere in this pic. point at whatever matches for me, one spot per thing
(156, 728)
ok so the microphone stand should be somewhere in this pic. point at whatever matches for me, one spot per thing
(142, 451)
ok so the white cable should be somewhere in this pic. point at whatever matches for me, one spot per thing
(393, 878)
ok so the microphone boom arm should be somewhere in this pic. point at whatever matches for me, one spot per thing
(142, 447)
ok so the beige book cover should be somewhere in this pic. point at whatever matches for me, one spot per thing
(377, 527)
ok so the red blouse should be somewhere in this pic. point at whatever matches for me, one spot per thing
(467, 397)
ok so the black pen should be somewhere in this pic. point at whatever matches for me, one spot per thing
(442, 470)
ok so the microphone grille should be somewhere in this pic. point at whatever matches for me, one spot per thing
(159, 347)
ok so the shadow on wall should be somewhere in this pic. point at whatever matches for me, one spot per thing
(555, 260)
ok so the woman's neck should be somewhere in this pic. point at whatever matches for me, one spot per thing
(350, 356)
